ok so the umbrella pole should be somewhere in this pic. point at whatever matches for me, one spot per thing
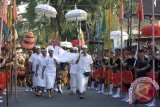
(153, 42)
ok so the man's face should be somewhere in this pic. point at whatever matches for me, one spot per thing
(141, 54)
(44, 52)
(50, 52)
(85, 51)
(38, 50)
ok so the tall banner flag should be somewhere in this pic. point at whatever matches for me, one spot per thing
(109, 18)
(10, 17)
(15, 16)
(98, 26)
(86, 33)
(140, 12)
(3, 11)
(104, 27)
(81, 36)
(121, 15)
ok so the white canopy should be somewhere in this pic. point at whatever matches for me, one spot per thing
(45, 9)
(76, 15)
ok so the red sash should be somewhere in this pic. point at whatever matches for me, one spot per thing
(127, 77)
(116, 79)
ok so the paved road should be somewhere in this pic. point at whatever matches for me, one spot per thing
(93, 99)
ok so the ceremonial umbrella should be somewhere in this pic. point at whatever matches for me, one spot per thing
(46, 10)
(116, 36)
(76, 15)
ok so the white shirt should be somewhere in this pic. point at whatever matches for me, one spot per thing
(73, 68)
(50, 66)
(33, 59)
(84, 63)
(41, 62)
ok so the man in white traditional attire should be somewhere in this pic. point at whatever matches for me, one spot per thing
(33, 63)
(49, 71)
(73, 74)
(84, 69)
(40, 63)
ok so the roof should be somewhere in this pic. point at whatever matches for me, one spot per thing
(147, 5)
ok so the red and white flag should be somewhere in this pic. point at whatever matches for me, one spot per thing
(140, 12)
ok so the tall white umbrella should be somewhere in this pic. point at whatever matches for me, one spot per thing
(76, 15)
(45, 9)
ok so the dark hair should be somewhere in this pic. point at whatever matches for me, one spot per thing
(141, 50)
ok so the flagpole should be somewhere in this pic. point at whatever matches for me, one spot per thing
(153, 40)
(130, 25)
(1, 26)
(15, 53)
(109, 46)
(139, 34)
(121, 21)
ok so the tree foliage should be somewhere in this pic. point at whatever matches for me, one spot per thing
(47, 27)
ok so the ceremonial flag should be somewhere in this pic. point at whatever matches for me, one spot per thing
(7, 32)
(109, 18)
(121, 15)
(55, 40)
(98, 26)
(3, 11)
(15, 16)
(15, 34)
(104, 27)
(86, 33)
(140, 12)
(10, 17)
(81, 36)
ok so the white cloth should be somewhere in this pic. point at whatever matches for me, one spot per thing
(63, 56)
(82, 82)
(73, 68)
(41, 82)
(50, 72)
(50, 81)
(33, 59)
(73, 82)
(41, 62)
(50, 66)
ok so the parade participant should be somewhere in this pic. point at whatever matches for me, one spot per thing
(109, 63)
(142, 65)
(73, 76)
(150, 73)
(3, 85)
(116, 71)
(33, 63)
(49, 71)
(85, 67)
(28, 76)
(40, 63)
(127, 75)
